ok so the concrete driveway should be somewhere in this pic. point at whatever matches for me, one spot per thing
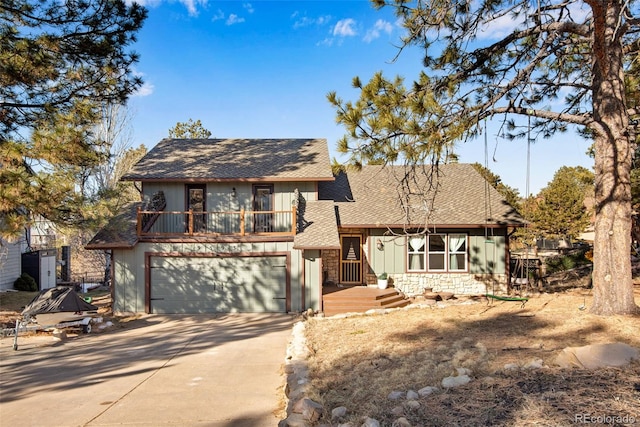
(161, 370)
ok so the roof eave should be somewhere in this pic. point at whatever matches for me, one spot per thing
(203, 180)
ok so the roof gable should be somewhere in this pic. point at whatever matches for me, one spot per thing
(234, 160)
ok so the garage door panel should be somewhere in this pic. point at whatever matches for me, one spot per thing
(218, 285)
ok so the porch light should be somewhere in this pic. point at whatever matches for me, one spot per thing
(379, 245)
(233, 192)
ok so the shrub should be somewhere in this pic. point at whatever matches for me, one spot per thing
(566, 262)
(25, 283)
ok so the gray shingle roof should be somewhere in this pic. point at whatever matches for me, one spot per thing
(320, 230)
(234, 159)
(373, 197)
(120, 232)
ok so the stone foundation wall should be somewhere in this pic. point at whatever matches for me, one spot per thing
(415, 283)
(458, 283)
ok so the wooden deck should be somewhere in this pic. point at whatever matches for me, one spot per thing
(338, 300)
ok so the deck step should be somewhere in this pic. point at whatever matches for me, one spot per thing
(360, 299)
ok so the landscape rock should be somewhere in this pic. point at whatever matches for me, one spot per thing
(370, 422)
(534, 364)
(450, 382)
(597, 356)
(395, 395)
(398, 411)
(309, 409)
(401, 422)
(338, 412)
(105, 325)
(426, 391)
(412, 404)
(412, 395)
(511, 366)
(294, 420)
(59, 335)
(463, 371)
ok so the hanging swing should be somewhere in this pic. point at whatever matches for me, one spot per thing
(489, 239)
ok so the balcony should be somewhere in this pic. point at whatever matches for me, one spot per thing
(190, 223)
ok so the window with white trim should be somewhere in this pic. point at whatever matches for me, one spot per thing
(437, 252)
(437, 249)
(416, 255)
(457, 252)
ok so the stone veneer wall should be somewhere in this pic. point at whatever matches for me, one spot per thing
(331, 265)
(415, 283)
(459, 283)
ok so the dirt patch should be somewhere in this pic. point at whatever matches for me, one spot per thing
(358, 361)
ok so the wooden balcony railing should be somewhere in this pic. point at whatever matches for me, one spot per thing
(168, 224)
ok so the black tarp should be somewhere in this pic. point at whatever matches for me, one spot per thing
(57, 300)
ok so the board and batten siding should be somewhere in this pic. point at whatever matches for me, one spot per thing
(10, 263)
(484, 256)
(129, 269)
(312, 279)
(220, 199)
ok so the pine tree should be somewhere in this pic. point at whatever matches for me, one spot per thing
(560, 211)
(60, 61)
(189, 130)
(573, 51)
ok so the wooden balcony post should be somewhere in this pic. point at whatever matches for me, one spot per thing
(190, 222)
(294, 221)
(139, 221)
(242, 222)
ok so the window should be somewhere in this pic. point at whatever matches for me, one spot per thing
(457, 252)
(196, 203)
(417, 253)
(437, 252)
(263, 202)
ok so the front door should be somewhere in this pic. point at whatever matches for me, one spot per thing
(263, 202)
(351, 259)
(196, 203)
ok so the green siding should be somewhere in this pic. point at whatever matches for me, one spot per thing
(129, 270)
(128, 281)
(485, 255)
(312, 278)
(219, 197)
(391, 259)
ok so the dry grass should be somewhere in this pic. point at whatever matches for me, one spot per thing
(13, 302)
(356, 362)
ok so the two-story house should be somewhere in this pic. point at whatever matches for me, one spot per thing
(262, 225)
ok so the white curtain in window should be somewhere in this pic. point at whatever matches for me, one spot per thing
(455, 243)
(417, 244)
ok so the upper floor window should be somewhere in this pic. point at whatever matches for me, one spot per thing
(437, 252)
(263, 202)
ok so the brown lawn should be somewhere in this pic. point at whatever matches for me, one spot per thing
(356, 362)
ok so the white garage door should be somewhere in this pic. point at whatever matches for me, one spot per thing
(218, 285)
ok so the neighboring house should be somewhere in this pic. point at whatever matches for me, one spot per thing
(262, 225)
(10, 262)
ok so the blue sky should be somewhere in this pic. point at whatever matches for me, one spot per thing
(262, 69)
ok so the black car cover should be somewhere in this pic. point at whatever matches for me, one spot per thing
(57, 300)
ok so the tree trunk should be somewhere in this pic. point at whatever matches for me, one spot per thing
(612, 282)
